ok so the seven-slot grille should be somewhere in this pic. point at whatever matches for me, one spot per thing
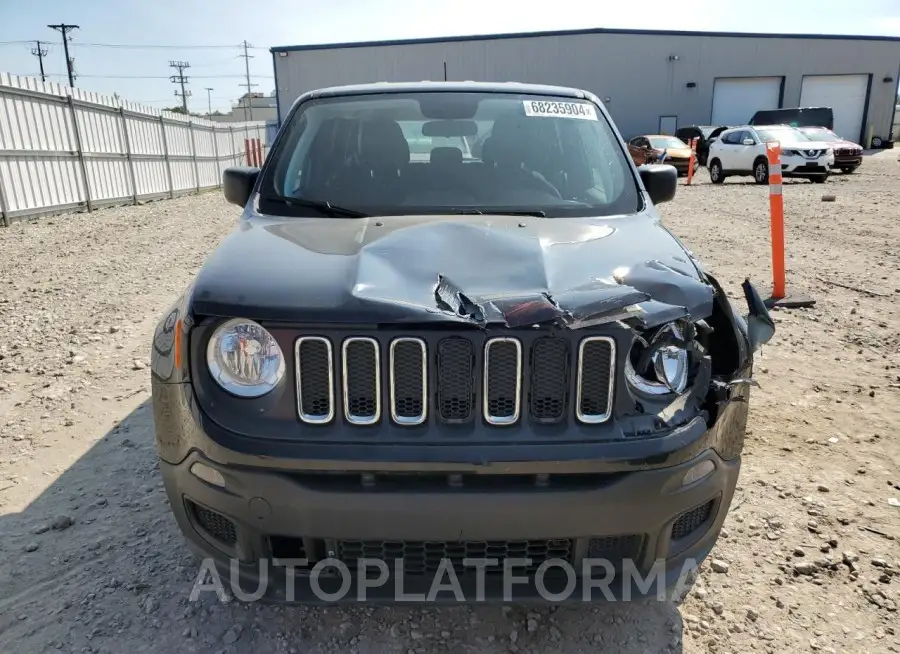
(450, 377)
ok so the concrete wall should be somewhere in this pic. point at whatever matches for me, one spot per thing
(633, 70)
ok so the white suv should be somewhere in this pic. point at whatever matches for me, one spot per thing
(742, 151)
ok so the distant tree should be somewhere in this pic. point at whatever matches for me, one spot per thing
(176, 110)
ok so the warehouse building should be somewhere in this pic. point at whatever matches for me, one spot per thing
(651, 81)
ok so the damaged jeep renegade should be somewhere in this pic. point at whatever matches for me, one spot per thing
(450, 336)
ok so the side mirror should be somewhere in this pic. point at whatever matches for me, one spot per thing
(238, 183)
(660, 180)
(749, 142)
(760, 326)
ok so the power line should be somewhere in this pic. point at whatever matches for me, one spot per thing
(247, 58)
(40, 53)
(180, 66)
(142, 46)
(64, 29)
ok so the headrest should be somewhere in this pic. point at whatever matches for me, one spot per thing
(446, 156)
(383, 146)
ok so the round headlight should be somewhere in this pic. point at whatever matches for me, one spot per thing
(244, 359)
(668, 371)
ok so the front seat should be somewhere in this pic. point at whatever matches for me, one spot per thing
(508, 150)
(384, 160)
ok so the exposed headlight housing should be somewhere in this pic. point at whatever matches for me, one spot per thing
(244, 359)
(666, 372)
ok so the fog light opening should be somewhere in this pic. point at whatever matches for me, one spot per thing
(207, 474)
(698, 472)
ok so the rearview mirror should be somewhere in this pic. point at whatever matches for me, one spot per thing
(238, 183)
(760, 326)
(749, 142)
(660, 180)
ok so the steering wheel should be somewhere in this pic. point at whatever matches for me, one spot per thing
(545, 183)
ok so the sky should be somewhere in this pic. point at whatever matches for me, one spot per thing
(124, 46)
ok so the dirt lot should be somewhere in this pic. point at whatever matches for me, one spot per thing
(91, 561)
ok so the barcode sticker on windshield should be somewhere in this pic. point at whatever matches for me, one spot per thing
(582, 110)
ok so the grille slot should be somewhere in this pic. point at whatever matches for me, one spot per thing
(502, 381)
(596, 358)
(549, 379)
(362, 380)
(689, 521)
(421, 557)
(409, 381)
(456, 390)
(616, 549)
(214, 523)
(314, 361)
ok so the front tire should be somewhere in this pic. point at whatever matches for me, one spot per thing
(761, 171)
(819, 179)
(716, 174)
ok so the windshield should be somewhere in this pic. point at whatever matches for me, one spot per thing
(449, 152)
(781, 134)
(667, 143)
(820, 135)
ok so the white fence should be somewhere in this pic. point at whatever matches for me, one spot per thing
(64, 149)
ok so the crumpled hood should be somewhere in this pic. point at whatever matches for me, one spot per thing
(476, 269)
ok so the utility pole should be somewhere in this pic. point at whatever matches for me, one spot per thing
(40, 53)
(180, 66)
(209, 101)
(64, 29)
(247, 57)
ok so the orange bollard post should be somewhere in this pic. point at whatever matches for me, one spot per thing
(247, 152)
(776, 215)
(259, 153)
(693, 158)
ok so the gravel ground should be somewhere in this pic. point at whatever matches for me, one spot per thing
(91, 560)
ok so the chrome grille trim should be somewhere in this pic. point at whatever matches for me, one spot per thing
(349, 417)
(485, 391)
(310, 418)
(593, 419)
(409, 420)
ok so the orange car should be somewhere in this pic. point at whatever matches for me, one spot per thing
(652, 147)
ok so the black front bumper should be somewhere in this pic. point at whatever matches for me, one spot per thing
(845, 161)
(569, 505)
(639, 519)
(682, 165)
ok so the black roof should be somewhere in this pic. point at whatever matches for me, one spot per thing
(463, 87)
(598, 30)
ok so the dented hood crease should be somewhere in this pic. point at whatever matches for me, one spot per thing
(483, 270)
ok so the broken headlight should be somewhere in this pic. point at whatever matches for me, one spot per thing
(244, 359)
(660, 365)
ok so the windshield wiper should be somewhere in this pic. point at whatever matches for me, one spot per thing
(323, 206)
(497, 212)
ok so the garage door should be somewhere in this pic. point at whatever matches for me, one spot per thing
(845, 94)
(736, 99)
